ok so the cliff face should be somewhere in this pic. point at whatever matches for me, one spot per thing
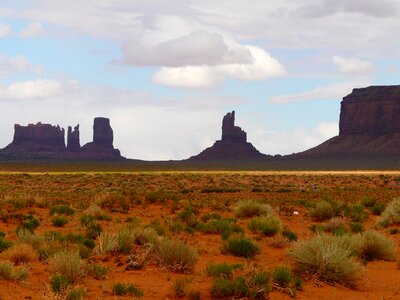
(39, 137)
(372, 110)
(369, 124)
(233, 144)
(48, 141)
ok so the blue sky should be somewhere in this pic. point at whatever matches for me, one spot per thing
(165, 72)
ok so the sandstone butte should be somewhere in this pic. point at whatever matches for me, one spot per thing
(369, 125)
(48, 141)
(233, 144)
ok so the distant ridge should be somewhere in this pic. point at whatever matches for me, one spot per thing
(233, 144)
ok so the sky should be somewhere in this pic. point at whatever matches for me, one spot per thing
(166, 71)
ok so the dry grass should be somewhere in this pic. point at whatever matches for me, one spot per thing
(391, 215)
(21, 253)
(67, 263)
(176, 255)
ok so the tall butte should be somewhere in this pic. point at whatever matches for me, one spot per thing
(233, 144)
(369, 125)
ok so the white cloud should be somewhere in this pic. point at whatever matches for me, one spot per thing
(4, 30)
(9, 65)
(263, 66)
(31, 89)
(33, 29)
(331, 91)
(353, 66)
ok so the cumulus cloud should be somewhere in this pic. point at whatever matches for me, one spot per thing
(331, 91)
(30, 89)
(4, 30)
(33, 29)
(353, 66)
(263, 66)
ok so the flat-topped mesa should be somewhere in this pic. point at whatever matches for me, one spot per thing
(369, 125)
(37, 138)
(373, 110)
(230, 132)
(73, 142)
(233, 144)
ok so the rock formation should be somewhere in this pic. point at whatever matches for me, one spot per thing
(233, 144)
(37, 138)
(103, 138)
(369, 124)
(48, 141)
(73, 143)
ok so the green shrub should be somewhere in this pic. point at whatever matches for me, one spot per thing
(377, 209)
(336, 226)
(176, 255)
(188, 216)
(61, 210)
(180, 286)
(21, 274)
(30, 223)
(126, 239)
(76, 294)
(59, 283)
(2, 235)
(67, 263)
(4, 244)
(241, 246)
(235, 288)
(331, 258)
(391, 215)
(224, 270)
(251, 208)
(6, 270)
(99, 272)
(322, 211)
(59, 221)
(357, 213)
(376, 246)
(120, 289)
(394, 231)
(93, 230)
(268, 225)
(289, 235)
(356, 227)
(282, 276)
(225, 227)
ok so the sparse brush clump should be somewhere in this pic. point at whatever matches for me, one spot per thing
(29, 223)
(241, 246)
(99, 272)
(289, 235)
(254, 286)
(76, 294)
(336, 226)
(36, 240)
(59, 283)
(391, 215)
(61, 210)
(176, 255)
(225, 227)
(67, 263)
(21, 253)
(268, 225)
(329, 257)
(108, 242)
(322, 211)
(59, 221)
(8, 272)
(4, 244)
(181, 286)
(251, 208)
(376, 246)
(223, 270)
(120, 289)
(282, 276)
